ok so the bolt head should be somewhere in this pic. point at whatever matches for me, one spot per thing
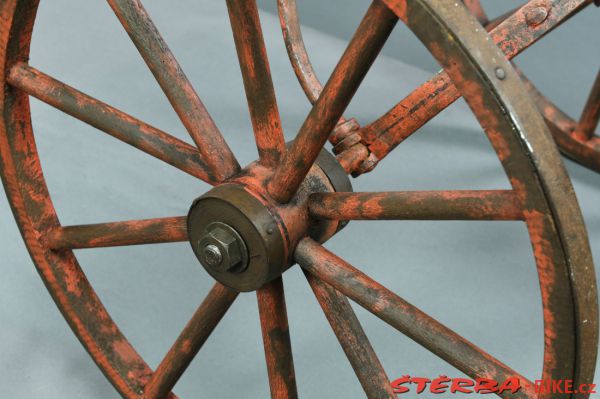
(212, 255)
(222, 248)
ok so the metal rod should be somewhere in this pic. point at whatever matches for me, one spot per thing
(134, 232)
(292, 36)
(190, 341)
(353, 339)
(417, 205)
(110, 120)
(176, 86)
(276, 340)
(250, 45)
(405, 317)
(364, 47)
(410, 114)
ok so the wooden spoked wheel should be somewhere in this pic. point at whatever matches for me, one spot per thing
(258, 221)
(575, 138)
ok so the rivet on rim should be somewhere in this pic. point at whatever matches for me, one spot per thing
(500, 73)
(536, 15)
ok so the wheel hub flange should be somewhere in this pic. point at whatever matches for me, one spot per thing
(244, 239)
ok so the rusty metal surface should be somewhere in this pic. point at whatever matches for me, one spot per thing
(275, 206)
(558, 234)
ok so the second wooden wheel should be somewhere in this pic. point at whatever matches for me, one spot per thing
(513, 32)
(575, 138)
(258, 221)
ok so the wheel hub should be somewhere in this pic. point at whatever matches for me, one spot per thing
(244, 239)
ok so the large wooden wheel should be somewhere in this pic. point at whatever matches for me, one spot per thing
(258, 221)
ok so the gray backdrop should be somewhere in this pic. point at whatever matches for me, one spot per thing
(477, 277)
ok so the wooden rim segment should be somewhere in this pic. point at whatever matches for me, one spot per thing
(541, 194)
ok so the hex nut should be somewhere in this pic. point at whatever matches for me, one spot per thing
(221, 248)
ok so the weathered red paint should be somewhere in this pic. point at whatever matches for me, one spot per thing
(405, 317)
(190, 341)
(417, 205)
(512, 33)
(353, 339)
(276, 339)
(366, 44)
(133, 232)
(575, 139)
(35, 214)
(176, 86)
(564, 129)
(254, 64)
(588, 122)
(110, 120)
(541, 194)
(477, 10)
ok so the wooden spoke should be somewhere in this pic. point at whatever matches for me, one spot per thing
(260, 93)
(513, 35)
(591, 112)
(364, 47)
(353, 339)
(405, 317)
(177, 87)
(190, 341)
(475, 7)
(110, 120)
(134, 232)
(417, 205)
(276, 340)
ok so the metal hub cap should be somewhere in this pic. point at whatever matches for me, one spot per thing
(236, 238)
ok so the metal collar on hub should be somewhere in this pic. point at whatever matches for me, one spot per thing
(236, 238)
(244, 240)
